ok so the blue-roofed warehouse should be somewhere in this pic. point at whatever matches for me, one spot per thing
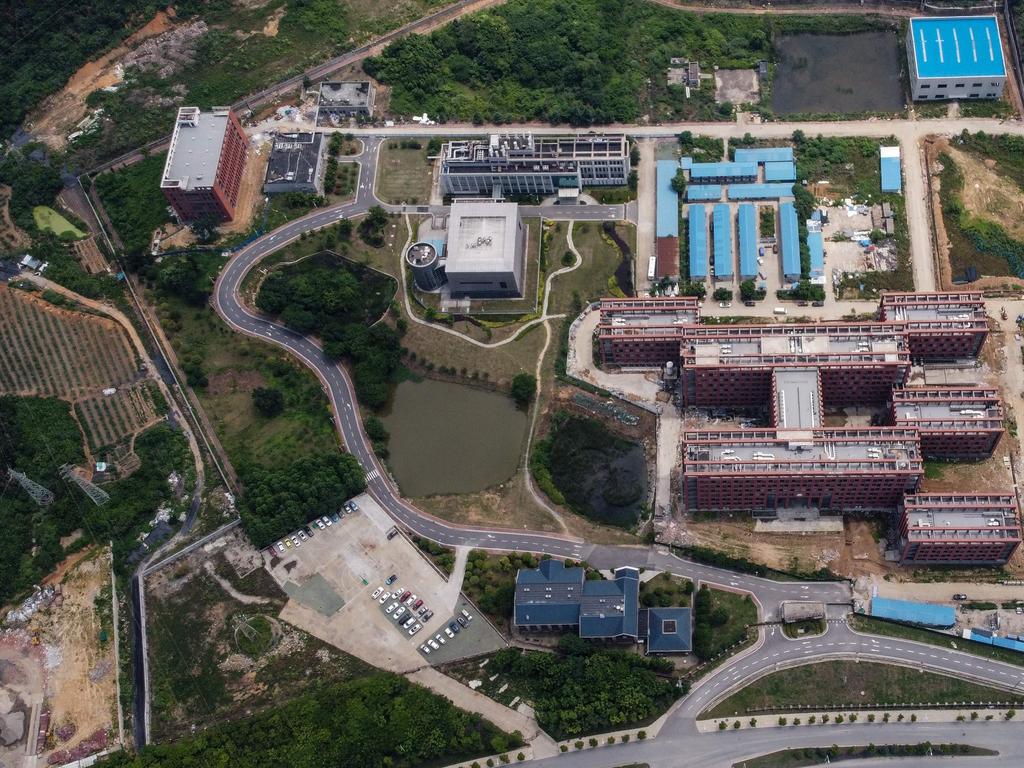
(747, 224)
(721, 223)
(923, 614)
(781, 171)
(710, 173)
(667, 221)
(889, 160)
(955, 57)
(698, 234)
(764, 155)
(704, 192)
(760, 191)
(816, 247)
(668, 630)
(789, 237)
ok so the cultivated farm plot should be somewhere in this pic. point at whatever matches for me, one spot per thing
(107, 419)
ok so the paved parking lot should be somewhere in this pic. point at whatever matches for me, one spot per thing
(331, 577)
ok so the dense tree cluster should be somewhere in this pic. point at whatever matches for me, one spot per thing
(583, 689)
(380, 720)
(133, 200)
(281, 500)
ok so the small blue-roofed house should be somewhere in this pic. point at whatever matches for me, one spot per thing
(908, 612)
(667, 200)
(747, 225)
(669, 630)
(889, 160)
(721, 223)
(955, 57)
(816, 247)
(704, 192)
(781, 171)
(698, 234)
(789, 238)
(548, 597)
(764, 155)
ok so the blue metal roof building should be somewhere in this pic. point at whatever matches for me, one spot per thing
(816, 245)
(669, 630)
(704, 192)
(548, 596)
(924, 614)
(721, 223)
(611, 609)
(780, 171)
(698, 233)
(667, 221)
(889, 160)
(955, 57)
(747, 220)
(764, 155)
(789, 237)
(760, 191)
(723, 172)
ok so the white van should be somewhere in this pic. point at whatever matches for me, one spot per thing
(780, 311)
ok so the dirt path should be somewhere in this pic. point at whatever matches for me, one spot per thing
(226, 586)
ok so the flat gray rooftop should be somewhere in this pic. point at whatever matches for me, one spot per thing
(195, 151)
(961, 523)
(294, 158)
(965, 413)
(778, 451)
(913, 313)
(676, 318)
(750, 349)
(482, 237)
(796, 398)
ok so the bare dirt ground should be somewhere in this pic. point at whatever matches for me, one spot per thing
(54, 118)
(273, 24)
(77, 638)
(737, 86)
(89, 256)
(12, 237)
(22, 682)
(250, 193)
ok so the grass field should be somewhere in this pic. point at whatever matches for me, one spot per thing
(873, 626)
(837, 685)
(403, 173)
(722, 618)
(50, 220)
(601, 257)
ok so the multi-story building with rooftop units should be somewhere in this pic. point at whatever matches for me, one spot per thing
(523, 164)
(954, 423)
(645, 332)
(939, 325)
(958, 529)
(204, 165)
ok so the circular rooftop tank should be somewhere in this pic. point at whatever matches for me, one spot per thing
(424, 262)
(421, 255)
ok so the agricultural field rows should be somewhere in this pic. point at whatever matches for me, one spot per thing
(107, 419)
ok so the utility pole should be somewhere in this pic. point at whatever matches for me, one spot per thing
(40, 495)
(98, 495)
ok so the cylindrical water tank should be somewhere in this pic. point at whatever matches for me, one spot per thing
(423, 260)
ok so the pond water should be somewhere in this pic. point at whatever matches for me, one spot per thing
(451, 438)
(837, 73)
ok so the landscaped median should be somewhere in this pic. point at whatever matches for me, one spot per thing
(873, 716)
(794, 758)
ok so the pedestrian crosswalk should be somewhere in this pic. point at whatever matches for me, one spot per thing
(373, 474)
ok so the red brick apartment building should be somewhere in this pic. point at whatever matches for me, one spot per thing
(644, 332)
(954, 422)
(939, 325)
(954, 529)
(205, 162)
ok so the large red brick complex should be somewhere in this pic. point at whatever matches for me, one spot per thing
(939, 325)
(956, 529)
(954, 422)
(204, 165)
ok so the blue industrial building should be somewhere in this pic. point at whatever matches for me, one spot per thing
(889, 162)
(760, 191)
(780, 171)
(723, 172)
(747, 221)
(1012, 642)
(924, 614)
(764, 155)
(667, 221)
(698, 234)
(955, 57)
(816, 247)
(704, 192)
(721, 223)
(789, 238)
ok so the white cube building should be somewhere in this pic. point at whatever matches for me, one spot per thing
(486, 250)
(956, 57)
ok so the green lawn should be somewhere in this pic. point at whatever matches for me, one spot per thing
(721, 620)
(796, 758)
(873, 626)
(838, 685)
(50, 220)
(403, 173)
(601, 258)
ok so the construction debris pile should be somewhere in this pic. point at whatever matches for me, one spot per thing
(41, 598)
(169, 52)
(95, 743)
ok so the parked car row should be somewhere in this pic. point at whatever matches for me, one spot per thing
(406, 608)
(454, 627)
(309, 530)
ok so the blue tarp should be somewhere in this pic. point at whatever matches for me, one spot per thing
(1003, 642)
(747, 218)
(760, 191)
(698, 229)
(783, 171)
(891, 181)
(764, 155)
(724, 171)
(924, 614)
(721, 221)
(704, 192)
(816, 245)
(789, 236)
(667, 223)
